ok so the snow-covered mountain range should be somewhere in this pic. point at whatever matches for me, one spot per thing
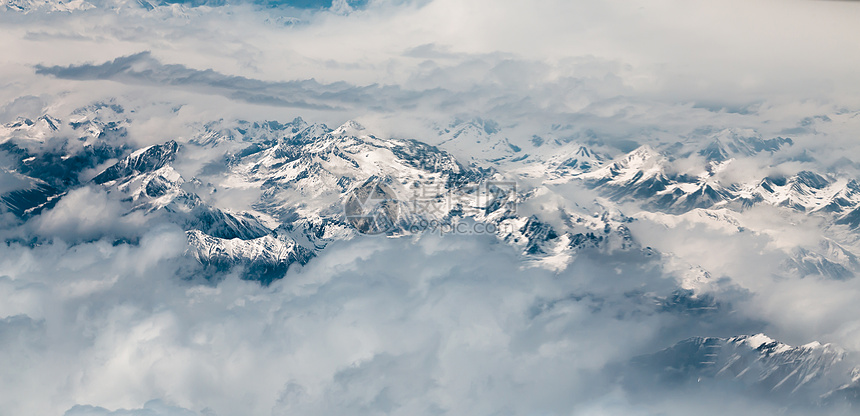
(303, 174)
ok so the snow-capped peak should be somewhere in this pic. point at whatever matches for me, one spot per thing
(147, 159)
(757, 340)
(351, 127)
(641, 163)
(30, 130)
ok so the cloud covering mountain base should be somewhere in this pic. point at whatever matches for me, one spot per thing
(354, 331)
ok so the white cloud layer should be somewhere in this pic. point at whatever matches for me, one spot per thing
(353, 332)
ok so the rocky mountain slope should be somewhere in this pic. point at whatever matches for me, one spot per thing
(809, 374)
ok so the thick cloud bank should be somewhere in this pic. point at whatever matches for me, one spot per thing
(367, 328)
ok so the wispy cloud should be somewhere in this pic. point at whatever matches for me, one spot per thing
(142, 68)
